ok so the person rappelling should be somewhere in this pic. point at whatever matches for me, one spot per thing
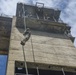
(27, 34)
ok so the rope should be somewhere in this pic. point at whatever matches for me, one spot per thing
(32, 49)
(31, 45)
(22, 45)
(33, 54)
(25, 61)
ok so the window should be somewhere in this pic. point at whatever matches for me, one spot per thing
(20, 70)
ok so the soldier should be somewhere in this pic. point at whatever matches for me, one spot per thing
(27, 34)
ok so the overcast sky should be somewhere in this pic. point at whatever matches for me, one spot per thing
(68, 8)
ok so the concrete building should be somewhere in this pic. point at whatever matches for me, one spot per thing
(49, 50)
(5, 30)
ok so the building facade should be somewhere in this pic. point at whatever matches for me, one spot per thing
(5, 30)
(49, 50)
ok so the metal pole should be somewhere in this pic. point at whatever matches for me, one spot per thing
(63, 71)
(37, 71)
(25, 60)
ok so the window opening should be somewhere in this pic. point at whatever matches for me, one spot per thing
(20, 70)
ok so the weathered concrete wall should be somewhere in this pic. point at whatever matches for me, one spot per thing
(42, 25)
(53, 49)
(5, 30)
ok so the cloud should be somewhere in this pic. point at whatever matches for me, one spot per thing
(8, 7)
(68, 16)
(75, 42)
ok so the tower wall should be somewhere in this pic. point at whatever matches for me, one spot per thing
(49, 49)
(5, 30)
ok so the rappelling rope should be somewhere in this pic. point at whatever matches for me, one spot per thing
(32, 49)
(22, 45)
(31, 43)
(34, 55)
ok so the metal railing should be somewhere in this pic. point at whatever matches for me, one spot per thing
(4, 15)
